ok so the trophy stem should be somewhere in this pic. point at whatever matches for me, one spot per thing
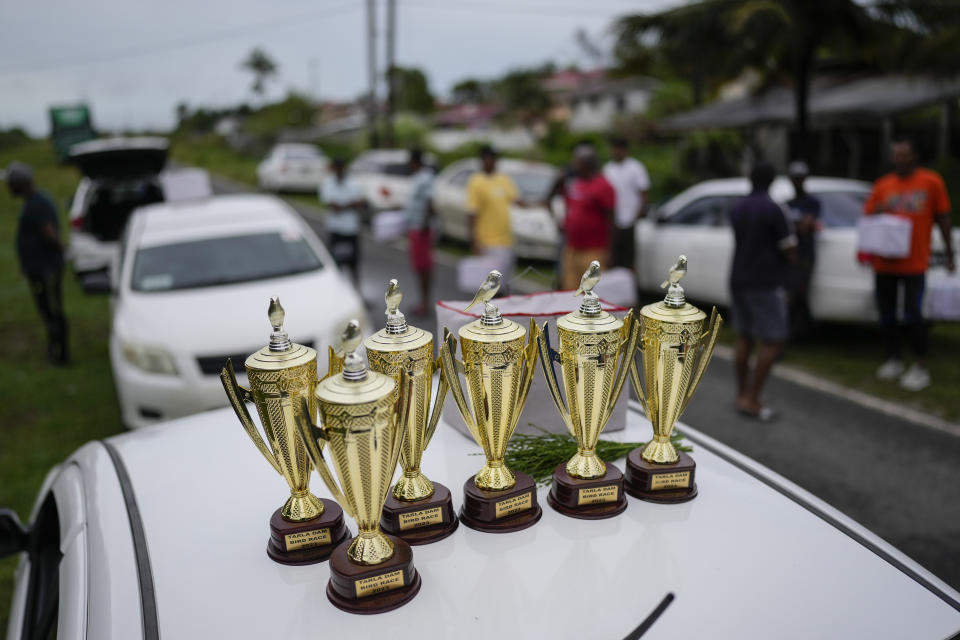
(413, 486)
(660, 451)
(586, 464)
(495, 476)
(370, 547)
(301, 506)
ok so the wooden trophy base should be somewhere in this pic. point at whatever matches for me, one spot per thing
(661, 482)
(423, 521)
(592, 499)
(363, 589)
(309, 541)
(501, 511)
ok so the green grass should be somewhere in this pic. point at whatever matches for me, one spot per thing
(47, 412)
(215, 155)
(850, 354)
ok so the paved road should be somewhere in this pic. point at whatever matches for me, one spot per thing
(899, 479)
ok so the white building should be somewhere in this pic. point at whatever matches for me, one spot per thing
(597, 106)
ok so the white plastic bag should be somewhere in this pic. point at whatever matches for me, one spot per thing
(884, 235)
(387, 225)
(943, 297)
(539, 410)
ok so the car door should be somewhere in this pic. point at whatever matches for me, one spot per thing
(450, 201)
(701, 231)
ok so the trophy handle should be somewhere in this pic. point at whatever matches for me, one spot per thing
(402, 417)
(449, 370)
(631, 330)
(238, 397)
(530, 362)
(442, 388)
(334, 363)
(706, 353)
(310, 434)
(550, 373)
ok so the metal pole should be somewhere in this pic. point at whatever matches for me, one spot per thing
(372, 73)
(391, 79)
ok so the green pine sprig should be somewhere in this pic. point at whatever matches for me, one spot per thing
(539, 455)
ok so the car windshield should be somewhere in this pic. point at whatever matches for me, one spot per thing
(225, 260)
(840, 208)
(532, 184)
(384, 168)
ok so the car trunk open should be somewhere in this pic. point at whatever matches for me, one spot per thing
(124, 172)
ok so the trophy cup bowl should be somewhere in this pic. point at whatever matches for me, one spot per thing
(676, 344)
(595, 356)
(417, 510)
(361, 420)
(306, 528)
(499, 369)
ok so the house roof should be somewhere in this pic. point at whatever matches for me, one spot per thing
(857, 100)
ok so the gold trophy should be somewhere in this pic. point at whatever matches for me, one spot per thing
(306, 529)
(676, 344)
(361, 418)
(498, 368)
(417, 510)
(596, 352)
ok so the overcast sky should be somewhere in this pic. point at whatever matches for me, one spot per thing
(134, 61)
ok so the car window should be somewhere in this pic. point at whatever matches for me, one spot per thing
(841, 208)
(460, 178)
(226, 260)
(43, 586)
(707, 211)
(532, 184)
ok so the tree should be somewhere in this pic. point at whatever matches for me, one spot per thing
(262, 67)
(711, 41)
(521, 92)
(470, 91)
(412, 90)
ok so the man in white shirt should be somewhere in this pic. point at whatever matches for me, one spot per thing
(631, 183)
(343, 200)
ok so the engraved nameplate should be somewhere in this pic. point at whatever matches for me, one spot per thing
(379, 584)
(675, 480)
(424, 518)
(306, 539)
(596, 495)
(513, 505)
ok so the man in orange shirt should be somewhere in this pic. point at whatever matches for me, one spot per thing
(919, 195)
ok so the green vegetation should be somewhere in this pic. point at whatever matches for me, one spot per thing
(47, 412)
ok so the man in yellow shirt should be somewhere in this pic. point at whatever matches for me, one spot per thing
(489, 196)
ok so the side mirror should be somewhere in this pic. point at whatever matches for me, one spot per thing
(97, 283)
(14, 537)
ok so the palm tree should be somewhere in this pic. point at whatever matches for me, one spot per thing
(262, 67)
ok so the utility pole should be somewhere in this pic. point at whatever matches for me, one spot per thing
(372, 73)
(391, 76)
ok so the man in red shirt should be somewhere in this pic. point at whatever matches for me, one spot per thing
(920, 196)
(588, 224)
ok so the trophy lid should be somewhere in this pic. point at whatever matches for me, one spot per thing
(397, 335)
(280, 353)
(356, 384)
(674, 307)
(491, 326)
(590, 317)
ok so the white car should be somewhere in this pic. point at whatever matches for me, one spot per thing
(293, 167)
(119, 175)
(161, 533)
(384, 178)
(534, 230)
(191, 289)
(696, 223)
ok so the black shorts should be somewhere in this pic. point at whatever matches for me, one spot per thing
(345, 250)
(761, 314)
(624, 247)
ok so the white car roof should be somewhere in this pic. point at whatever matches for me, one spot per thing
(781, 190)
(390, 156)
(117, 143)
(753, 556)
(222, 215)
(297, 146)
(505, 165)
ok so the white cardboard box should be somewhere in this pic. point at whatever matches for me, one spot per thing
(884, 235)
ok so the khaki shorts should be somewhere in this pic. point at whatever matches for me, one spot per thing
(576, 261)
